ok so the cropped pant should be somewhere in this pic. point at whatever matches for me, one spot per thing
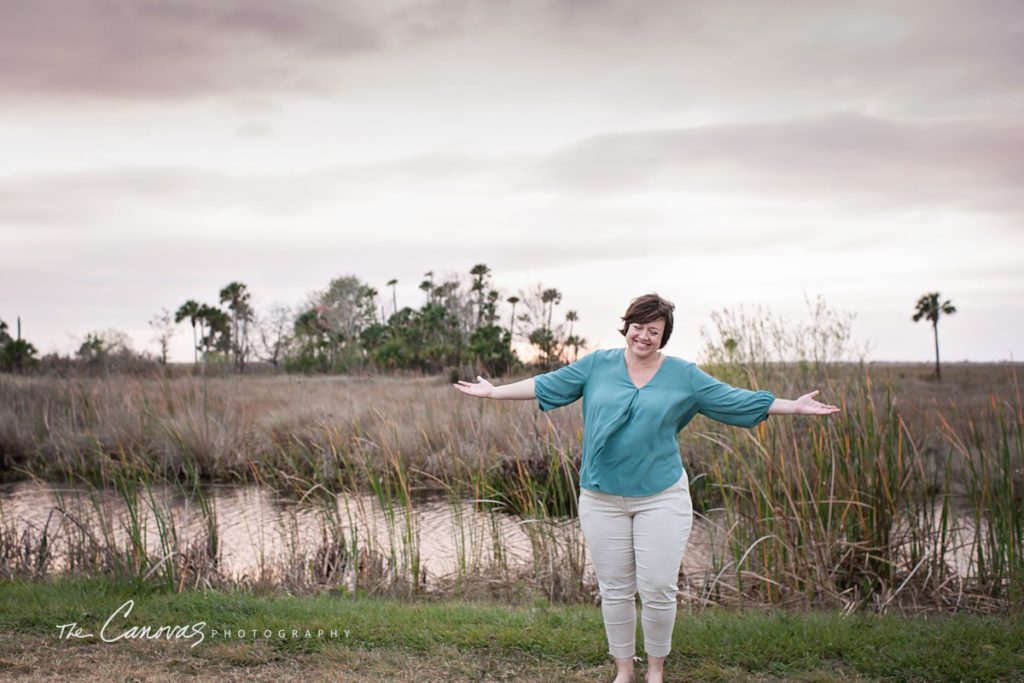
(637, 543)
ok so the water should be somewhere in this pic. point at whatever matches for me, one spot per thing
(262, 535)
(259, 532)
(266, 538)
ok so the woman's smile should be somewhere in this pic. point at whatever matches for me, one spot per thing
(643, 339)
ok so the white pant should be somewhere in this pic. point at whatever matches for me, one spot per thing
(638, 542)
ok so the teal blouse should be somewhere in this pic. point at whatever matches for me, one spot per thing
(629, 434)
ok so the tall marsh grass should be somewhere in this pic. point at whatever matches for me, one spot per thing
(852, 512)
(909, 499)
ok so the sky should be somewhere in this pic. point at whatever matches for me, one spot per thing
(725, 155)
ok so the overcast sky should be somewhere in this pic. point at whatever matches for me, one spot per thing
(721, 154)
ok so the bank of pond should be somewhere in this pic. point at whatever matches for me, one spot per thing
(95, 629)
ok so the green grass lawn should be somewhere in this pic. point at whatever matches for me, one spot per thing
(379, 639)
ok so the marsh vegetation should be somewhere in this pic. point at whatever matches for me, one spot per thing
(909, 499)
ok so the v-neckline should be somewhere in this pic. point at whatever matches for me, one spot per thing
(625, 368)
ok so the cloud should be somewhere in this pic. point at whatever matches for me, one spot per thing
(101, 199)
(158, 49)
(738, 60)
(710, 190)
(849, 159)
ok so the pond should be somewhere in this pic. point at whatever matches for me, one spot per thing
(258, 537)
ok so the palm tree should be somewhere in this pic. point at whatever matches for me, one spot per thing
(575, 342)
(479, 272)
(190, 309)
(428, 286)
(394, 299)
(236, 296)
(928, 307)
(215, 326)
(571, 317)
(511, 321)
(551, 297)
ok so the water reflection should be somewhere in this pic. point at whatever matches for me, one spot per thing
(261, 534)
(264, 537)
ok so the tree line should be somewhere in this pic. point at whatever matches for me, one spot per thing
(349, 326)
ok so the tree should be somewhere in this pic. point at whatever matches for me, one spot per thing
(440, 330)
(311, 343)
(106, 348)
(928, 307)
(480, 273)
(489, 344)
(434, 337)
(215, 327)
(428, 285)
(490, 307)
(551, 297)
(571, 317)
(402, 343)
(272, 334)
(236, 295)
(163, 331)
(190, 309)
(572, 340)
(512, 319)
(394, 298)
(15, 354)
(540, 304)
(346, 308)
(547, 344)
(92, 349)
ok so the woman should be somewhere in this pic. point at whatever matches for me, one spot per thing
(634, 505)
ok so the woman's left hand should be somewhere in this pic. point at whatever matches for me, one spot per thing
(806, 405)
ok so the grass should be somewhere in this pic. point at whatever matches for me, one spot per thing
(909, 500)
(422, 640)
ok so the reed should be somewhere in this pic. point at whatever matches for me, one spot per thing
(851, 513)
(993, 451)
(897, 503)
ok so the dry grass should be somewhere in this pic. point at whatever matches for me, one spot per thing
(34, 658)
(229, 427)
(909, 499)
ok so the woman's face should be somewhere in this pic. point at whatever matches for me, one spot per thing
(644, 339)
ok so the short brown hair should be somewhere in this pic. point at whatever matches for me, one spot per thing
(647, 309)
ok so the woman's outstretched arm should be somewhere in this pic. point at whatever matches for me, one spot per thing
(805, 405)
(522, 390)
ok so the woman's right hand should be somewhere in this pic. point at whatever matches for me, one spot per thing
(481, 388)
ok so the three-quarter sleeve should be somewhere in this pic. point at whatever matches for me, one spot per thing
(731, 405)
(563, 386)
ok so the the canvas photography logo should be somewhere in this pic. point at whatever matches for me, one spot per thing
(127, 623)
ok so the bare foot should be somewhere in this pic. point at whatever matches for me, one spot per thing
(623, 670)
(655, 670)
